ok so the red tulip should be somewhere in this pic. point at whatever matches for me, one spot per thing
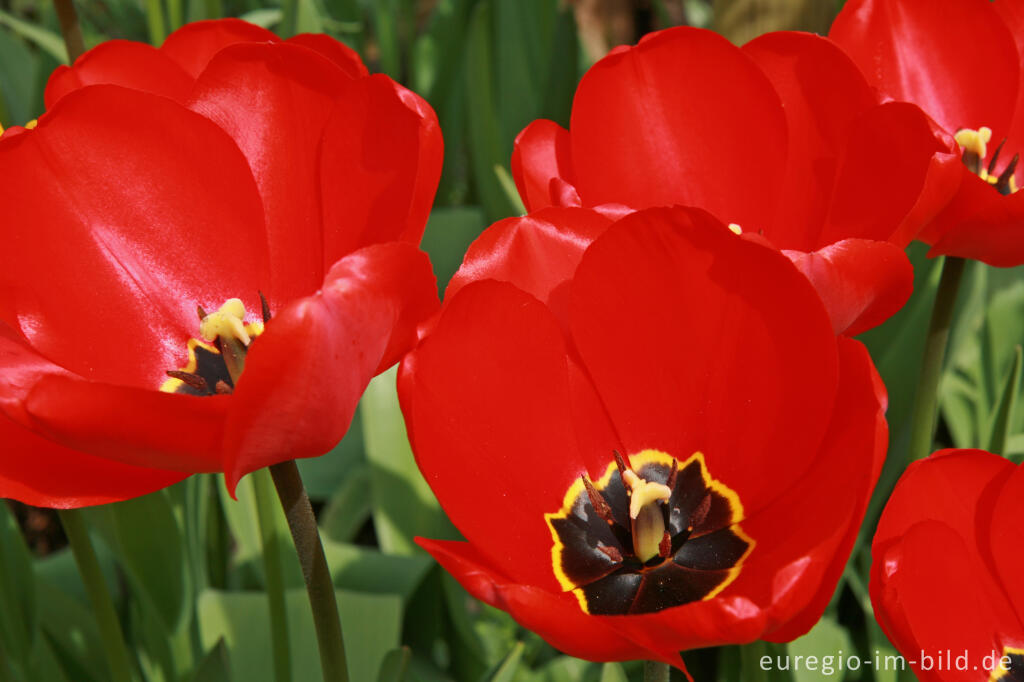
(258, 167)
(946, 571)
(782, 137)
(914, 50)
(647, 432)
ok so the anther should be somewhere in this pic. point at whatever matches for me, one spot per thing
(200, 312)
(700, 514)
(665, 546)
(189, 379)
(671, 482)
(597, 501)
(995, 157)
(264, 307)
(611, 552)
(1005, 182)
(620, 463)
(222, 388)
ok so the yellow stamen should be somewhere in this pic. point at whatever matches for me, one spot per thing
(643, 493)
(226, 323)
(975, 141)
(736, 229)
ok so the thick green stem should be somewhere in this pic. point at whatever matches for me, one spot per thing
(272, 556)
(96, 587)
(319, 586)
(70, 29)
(656, 671)
(923, 420)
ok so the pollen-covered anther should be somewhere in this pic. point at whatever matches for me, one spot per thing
(735, 229)
(612, 553)
(975, 145)
(975, 148)
(227, 322)
(597, 501)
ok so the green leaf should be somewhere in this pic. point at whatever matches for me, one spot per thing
(403, 504)
(349, 506)
(506, 670)
(395, 665)
(69, 627)
(1004, 412)
(215, 666)
(267, 17)
(19, 69)
(824, 644)
(323, 475)
(18, 615)
(371, 623)
(360, 569)
(48, 41)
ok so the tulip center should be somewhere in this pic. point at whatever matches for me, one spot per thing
(217, 359)
(975, 146)
(650, 534)
(1014, 672)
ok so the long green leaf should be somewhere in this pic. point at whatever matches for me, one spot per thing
(1004, 412)
(48, 41)
(18, 614)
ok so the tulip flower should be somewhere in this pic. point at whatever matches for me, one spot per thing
(913, 51)
(945, 576)
(782, 138)
(647, 432)
(209, 249)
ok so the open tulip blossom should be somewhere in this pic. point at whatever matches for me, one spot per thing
(945, 574)
(227, 202)
(782, 137)
(647, 431)
(912, 50)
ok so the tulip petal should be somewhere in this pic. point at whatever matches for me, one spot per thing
(541, 154)
(42, 473)
(305, 374)
(120, 62)
(822, 94)
(915, 52)
(555, 617)
(338, 52)
(698, 340)
(1007, 541)
(380, 163)
(682, 118)
(982, 224)
(117, 229)
(193, 45)
(538, 253)
(138, 427)
(862, 283)
(273, 100)
(487, 401)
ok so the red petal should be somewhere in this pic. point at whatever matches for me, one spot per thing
(130, 425)
(701, 341)
(1012, 14)
(837, 491)
(305, 374)
(380, 164)
(41, 473)
(1007, 543)
(116, 230)
(338, 52)
(921, 52)
(982, 224)
(274, 100)
(682, 118)
(193, 45)
(888, 156)
(541, 154)
(538, 253)
(555, 617)
(486, 398)
(822, 94)
(862, 283)
(120, 62)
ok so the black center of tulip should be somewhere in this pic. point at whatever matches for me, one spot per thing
(1015, 671)
(216, 362)
(680, 543)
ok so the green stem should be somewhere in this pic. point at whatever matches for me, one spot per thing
(271, 539)
(155, 22)
(923, 420)
(175, 15)
(99, 595)
(655, 671)
(319, 586)
(289, 18)
(70, 29)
